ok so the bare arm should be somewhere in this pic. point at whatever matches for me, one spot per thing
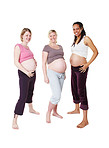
(44, 66)
(89, 43)
(18, 65)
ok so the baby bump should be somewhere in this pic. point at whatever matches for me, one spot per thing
(58, 65)
(76, 60)
(29, 65)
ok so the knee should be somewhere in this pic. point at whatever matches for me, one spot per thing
(55, 99)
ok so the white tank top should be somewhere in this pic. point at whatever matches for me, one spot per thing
(80, 49)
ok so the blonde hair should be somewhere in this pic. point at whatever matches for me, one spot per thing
(51, 32)
(23, 31)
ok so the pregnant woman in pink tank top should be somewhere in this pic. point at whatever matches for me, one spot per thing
(26, 64)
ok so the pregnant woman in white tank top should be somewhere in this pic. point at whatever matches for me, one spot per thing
(79, 69)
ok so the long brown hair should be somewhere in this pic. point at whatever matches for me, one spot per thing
(82, 33)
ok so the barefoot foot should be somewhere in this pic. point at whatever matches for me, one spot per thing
(14, 125)
(48, 120)
(34, 112)
(82, 124)
(74, 112)
(31, 110)
(57, 115)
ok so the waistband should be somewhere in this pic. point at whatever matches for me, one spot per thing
(20, 72)
(33, 72)
(76, 68)
(54, 71)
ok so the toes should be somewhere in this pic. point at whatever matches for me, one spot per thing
(15, 127)
(82, 124)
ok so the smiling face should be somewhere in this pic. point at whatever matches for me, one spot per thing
(53, 37)
(26, 37)
(77, 30)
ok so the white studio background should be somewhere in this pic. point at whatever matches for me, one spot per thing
(40, 17)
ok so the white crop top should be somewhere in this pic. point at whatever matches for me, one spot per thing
(80, 49)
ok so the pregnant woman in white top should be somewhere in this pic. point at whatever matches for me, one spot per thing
(79, 69)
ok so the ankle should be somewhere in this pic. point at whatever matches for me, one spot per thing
(15, 121)
(77, 109)
(15, 116)
(85, 120)
(54, 112)
(30, 105)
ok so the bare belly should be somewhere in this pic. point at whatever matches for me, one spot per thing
(76, 60)
(29, 65)
(58, 65)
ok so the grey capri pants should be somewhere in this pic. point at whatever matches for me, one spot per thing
(56, 81)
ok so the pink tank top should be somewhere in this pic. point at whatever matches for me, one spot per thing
(25, 54)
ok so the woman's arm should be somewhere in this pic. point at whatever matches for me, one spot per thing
(18, 65)
(44, 66)
(89, 43)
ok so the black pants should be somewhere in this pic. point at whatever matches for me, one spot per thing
(78, 87)
(26, 85)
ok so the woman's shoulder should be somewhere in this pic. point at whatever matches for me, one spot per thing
(59, 45)
(87, 39)
(18, 45)
(46, 45)
(46, 48)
